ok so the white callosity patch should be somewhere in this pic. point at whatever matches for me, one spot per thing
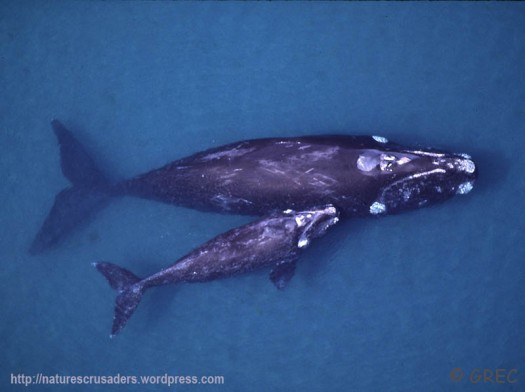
(300, 220)
(467, 165)
(314, 223)
(377, 208)
(465, 188)
(403, 160)
(303, 242)
(386, 162)
(380, 139)
(332, 211)
(367, 162)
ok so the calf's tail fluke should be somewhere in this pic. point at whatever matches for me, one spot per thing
(89, 192)
(130, 290)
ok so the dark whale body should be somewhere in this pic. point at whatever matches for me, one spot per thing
(359, 175)
(275, 241)
(257, 176)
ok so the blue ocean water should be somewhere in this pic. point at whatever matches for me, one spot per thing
(391, 304)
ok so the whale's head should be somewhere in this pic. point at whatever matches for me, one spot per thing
(313, 223)
(411, 178)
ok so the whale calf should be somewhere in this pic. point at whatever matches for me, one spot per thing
(359, 175)
(275, 241)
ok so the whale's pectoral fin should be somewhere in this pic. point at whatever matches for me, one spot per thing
(283, 272)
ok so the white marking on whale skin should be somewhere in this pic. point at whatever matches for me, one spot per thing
(229, 154)
(289, 167)
(274, 167)
(269, 233)
(407, 194)
(380, 139)
(228, 175)
(319, 179)
(227, 202)
(417, 175)
(303, 242)
(377, 208)
(317, 155)
(426, 153)
(227, 179)
(413, 176)
(288, 143)
(465, 188)
(403, 160)
(300, 221)
(467, 165)
(367, 162)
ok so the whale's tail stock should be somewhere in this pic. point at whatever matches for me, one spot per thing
(130, 289)
(89, 192)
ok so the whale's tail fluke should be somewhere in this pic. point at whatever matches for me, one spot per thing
(130, 289)
(90, 192)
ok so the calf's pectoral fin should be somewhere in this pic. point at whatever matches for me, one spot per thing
(283, 272)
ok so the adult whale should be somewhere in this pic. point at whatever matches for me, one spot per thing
(359, 175)
(276, 241)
